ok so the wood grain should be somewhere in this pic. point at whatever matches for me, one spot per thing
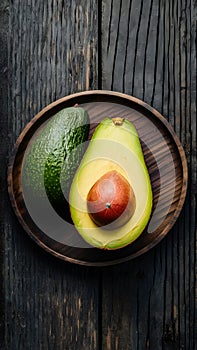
(148, 51)
(52, 53)
(50, 49)
(4, 145)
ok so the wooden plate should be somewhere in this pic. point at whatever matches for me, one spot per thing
(166, 164)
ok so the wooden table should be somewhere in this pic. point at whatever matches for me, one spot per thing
(50, 49)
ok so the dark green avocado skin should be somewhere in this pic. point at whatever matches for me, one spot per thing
(54, 156)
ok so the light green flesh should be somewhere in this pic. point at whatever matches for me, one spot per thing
(113, 147)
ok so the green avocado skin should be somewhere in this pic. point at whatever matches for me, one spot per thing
(54, 156)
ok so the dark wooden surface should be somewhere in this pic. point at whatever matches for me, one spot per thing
(50, 49)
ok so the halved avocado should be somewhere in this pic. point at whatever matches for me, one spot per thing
(115, 145)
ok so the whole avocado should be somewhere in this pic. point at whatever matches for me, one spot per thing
(53, 157)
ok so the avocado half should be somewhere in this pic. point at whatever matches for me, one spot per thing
(115, 145)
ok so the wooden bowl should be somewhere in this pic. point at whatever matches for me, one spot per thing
(165, 159)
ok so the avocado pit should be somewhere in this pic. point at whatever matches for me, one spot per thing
(111, 201)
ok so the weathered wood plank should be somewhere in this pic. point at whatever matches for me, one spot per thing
(4, 207)
(149, 51)
(52, 52)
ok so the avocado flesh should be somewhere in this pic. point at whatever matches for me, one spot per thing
(112, 147)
